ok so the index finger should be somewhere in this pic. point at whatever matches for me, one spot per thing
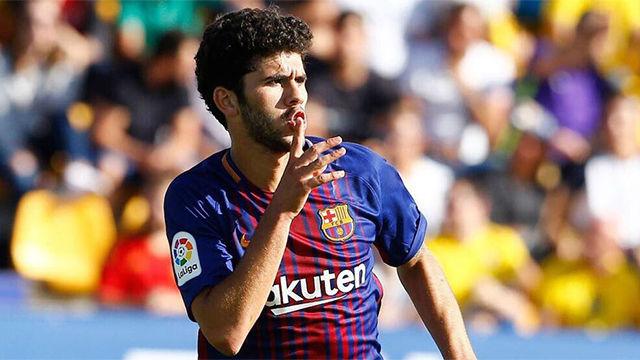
(299, 127)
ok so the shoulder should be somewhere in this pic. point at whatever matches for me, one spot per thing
(197, 180)
(359, 160)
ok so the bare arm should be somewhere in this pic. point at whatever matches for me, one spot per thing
(176, 153)
(425, 283)
(227, 312)
(111, 133)
(180, 149)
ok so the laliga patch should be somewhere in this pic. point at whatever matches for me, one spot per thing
(186, 263)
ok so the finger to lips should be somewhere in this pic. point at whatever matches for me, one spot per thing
(298, 137)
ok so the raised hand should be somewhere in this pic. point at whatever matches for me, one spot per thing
(306, 169)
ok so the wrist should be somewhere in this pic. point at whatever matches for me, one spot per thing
(280, 212)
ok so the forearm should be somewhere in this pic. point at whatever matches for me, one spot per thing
(425, 282)
(227, 312)
(111, 133)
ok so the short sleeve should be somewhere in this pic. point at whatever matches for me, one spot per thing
(403, 227)
(199, 254)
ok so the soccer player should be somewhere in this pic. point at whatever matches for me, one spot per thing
(272, 239)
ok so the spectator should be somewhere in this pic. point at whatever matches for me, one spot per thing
(593, 286)
(42, 62)
(427, 180)
(144, 118)
(63, 241)
(386, 26)
(463, 81)
(496, 262)
(138, 272)
(612, 177)
(617, 62)
(516, 191)
(574, 92)
(354, 96)
(321, 15)
(40, 76)
(143, 23)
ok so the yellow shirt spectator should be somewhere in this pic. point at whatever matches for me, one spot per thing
(496, 252)
(578, 296)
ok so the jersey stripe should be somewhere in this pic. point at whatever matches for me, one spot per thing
(274, 337)
(301, 323)
(359, 227)
(337, 327)
(315, 232)
(314, 317)
(352, 336)
(245, 221)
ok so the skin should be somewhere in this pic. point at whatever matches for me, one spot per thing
(276, 91)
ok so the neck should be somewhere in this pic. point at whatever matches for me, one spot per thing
(259, 165)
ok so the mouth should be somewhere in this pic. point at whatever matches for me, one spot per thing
(292, 116)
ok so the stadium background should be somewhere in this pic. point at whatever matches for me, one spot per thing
(514, 124)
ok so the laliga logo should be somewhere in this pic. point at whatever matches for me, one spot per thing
(182, 251)
(186, 264)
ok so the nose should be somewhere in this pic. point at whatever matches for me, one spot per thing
(296, 94)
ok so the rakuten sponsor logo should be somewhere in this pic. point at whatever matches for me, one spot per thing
(293, 294)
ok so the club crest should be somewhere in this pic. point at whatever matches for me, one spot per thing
(337, 223)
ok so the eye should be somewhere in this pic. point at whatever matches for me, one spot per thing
(273, 82)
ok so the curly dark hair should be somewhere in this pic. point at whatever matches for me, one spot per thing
(234, 42)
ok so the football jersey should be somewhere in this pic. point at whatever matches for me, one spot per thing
(325, 298)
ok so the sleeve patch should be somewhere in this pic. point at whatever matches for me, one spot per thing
(184, 254)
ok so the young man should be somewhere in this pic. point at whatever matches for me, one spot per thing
(271, 239)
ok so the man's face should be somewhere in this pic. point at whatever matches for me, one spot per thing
(273, 94)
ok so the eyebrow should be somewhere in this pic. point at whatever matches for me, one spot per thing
(282, 77)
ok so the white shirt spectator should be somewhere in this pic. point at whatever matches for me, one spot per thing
(613, 194)
(428, 181)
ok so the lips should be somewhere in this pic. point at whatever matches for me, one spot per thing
(299, 115)
(293, 114)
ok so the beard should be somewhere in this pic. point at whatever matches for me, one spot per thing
(261, 128)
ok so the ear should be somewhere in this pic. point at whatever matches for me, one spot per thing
(227, 101)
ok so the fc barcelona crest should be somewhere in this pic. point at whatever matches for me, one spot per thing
(337, 223)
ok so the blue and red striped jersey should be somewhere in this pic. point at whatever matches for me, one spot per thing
(325, 298)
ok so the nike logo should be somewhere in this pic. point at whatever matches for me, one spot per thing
(292, 308)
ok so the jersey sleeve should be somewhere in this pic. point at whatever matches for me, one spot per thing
(199, 254)
(403, 227)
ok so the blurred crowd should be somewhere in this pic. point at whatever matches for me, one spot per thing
(514, 124)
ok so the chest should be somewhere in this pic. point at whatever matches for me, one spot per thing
(335, 228)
